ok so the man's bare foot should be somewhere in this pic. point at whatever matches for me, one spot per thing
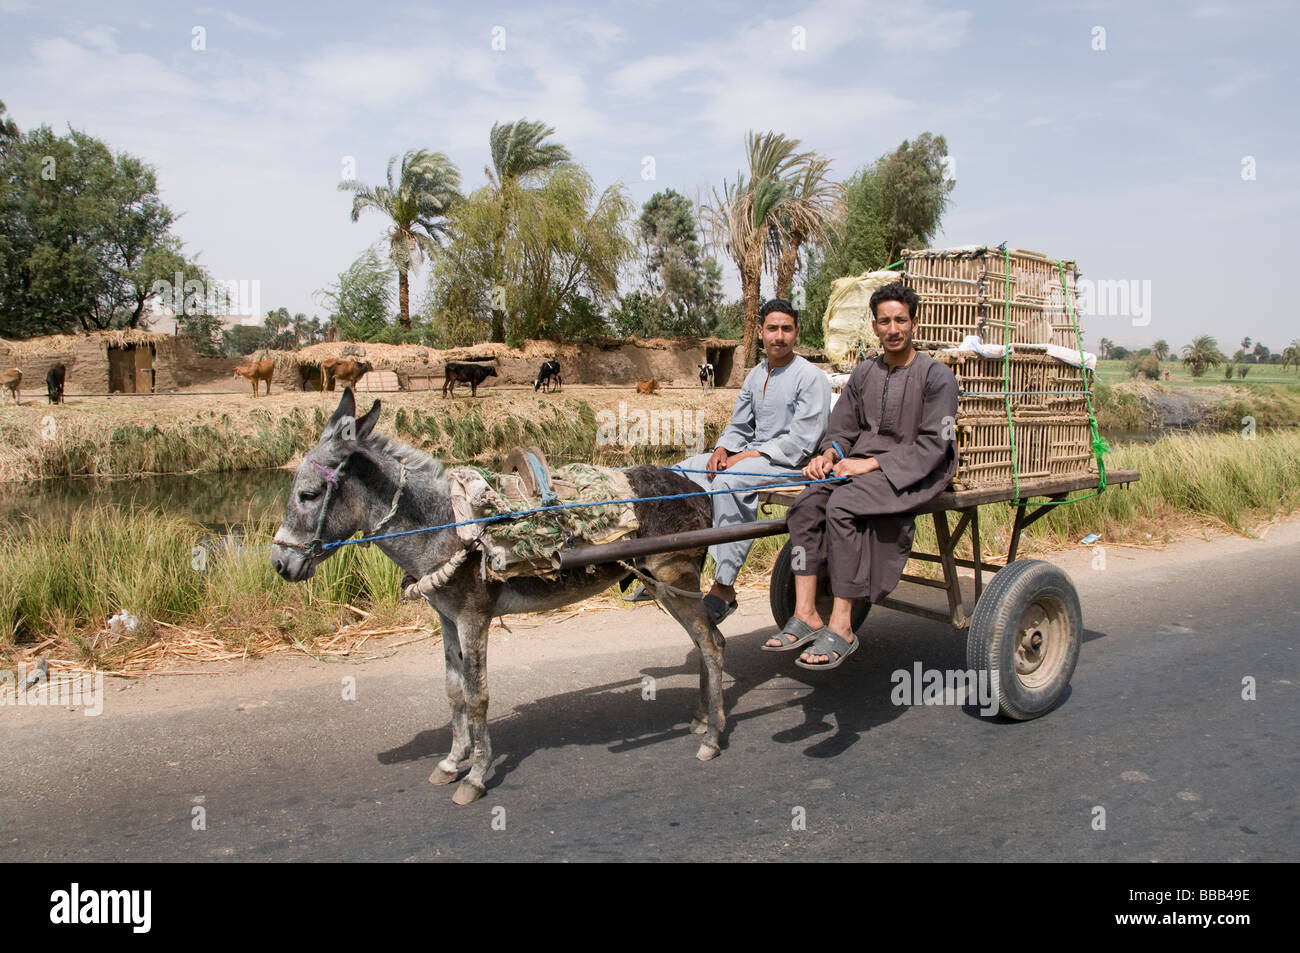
(781, 639)
(823, 659)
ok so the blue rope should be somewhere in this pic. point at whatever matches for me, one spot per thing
(571, 506)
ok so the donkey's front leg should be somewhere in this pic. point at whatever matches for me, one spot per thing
(710, 720)
(449, 768)
(473, 628)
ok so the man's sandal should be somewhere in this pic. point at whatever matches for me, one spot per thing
(716, 609)
(832, 646)
(797, 629)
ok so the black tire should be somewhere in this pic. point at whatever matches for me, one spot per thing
(781, 593)
(1026, 633)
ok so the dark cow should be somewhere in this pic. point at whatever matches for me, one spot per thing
(471, 374)
(706, 377)
(54, 379)
(548, 377)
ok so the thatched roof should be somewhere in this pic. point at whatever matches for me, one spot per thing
(50, 345)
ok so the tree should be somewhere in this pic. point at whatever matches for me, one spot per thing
(685, 288)
(815, 203)
(1161, 350)
(1260, 353)
(896, 202)
(519, 156)
(361, 300)
(85, 239)
(1245, 344)
(1117, 352)
(1291, 355)
(743, 215)
(1147, 366)
(1104, 347)
(417, 203)
(1202, 354)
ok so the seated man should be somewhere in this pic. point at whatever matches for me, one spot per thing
(892, 433)
(779, 417)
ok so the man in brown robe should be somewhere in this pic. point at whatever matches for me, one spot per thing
(892, 434)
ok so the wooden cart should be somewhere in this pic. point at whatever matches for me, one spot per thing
(1026, 627)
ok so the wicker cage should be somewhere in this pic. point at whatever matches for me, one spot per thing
(1046, 445)
(1037, 383)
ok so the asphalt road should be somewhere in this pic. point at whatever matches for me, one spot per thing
(817, 766)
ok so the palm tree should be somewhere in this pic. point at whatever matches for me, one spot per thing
(1291, 355)
(1104, 346)
(518, 155)
(743, 216)
(1161, 350)
(417, 202)
(814, 204)
(1201, 354)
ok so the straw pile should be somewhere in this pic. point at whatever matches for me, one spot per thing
(55, 345)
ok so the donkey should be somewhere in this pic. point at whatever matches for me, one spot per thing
(355, 480)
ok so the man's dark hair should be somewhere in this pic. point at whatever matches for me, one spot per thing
(897, 292)
(778, 304)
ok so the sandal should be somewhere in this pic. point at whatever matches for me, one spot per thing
(799, 630)
(829, 644)
(718, 610)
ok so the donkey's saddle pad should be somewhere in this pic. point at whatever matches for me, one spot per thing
(523, 546)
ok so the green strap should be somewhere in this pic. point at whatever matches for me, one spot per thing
(1006, 378)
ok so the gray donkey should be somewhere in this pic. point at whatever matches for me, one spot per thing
(357, 481)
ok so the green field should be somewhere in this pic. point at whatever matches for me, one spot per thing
(1115, 372)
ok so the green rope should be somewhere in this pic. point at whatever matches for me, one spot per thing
(1006, 380)
(1099, 445)
(894, 265)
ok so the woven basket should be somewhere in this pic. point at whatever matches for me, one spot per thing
(1046, 445)
(946, 320)
(1038, 383)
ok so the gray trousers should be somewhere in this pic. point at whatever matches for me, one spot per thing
(730, 508)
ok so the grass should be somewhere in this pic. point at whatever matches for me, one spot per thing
(1115, 372)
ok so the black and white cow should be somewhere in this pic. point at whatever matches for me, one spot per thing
(706, 377)
(548, 377)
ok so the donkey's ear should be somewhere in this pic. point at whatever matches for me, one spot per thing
(347, 407)
(367, 423)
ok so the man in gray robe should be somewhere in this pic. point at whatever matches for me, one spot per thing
(892, 434)
(779, 417)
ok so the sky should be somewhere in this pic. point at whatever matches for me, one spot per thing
(1154, 143)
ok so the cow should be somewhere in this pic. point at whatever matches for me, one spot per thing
(548, 377)
(54, 379)
(344, 370)
(706, 377)
(647, 386)
(255, 371)
(10, 381)
(471, 374)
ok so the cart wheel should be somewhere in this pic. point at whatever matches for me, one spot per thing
(781, 593)
(1026, 633)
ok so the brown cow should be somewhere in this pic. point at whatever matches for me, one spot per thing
(647, 386)
(10, 380)
(255, 371)
(343, 370)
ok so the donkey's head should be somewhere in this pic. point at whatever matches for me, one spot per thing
(326, 502)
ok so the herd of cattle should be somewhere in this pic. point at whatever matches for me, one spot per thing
(346, 372)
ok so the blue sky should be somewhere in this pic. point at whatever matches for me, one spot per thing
(1128, 158)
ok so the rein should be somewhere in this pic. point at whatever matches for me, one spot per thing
(331, 478)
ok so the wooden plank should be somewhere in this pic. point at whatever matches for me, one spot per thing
(961, 499)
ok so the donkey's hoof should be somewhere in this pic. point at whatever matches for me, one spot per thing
(440, 776)
(699, 727)
(468, 792)
(707, 752)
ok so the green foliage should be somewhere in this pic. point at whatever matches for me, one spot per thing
(1144, 366)
(85, 239)
(1202, 354)
(895, 203)
(683, 288)
(361, 300)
